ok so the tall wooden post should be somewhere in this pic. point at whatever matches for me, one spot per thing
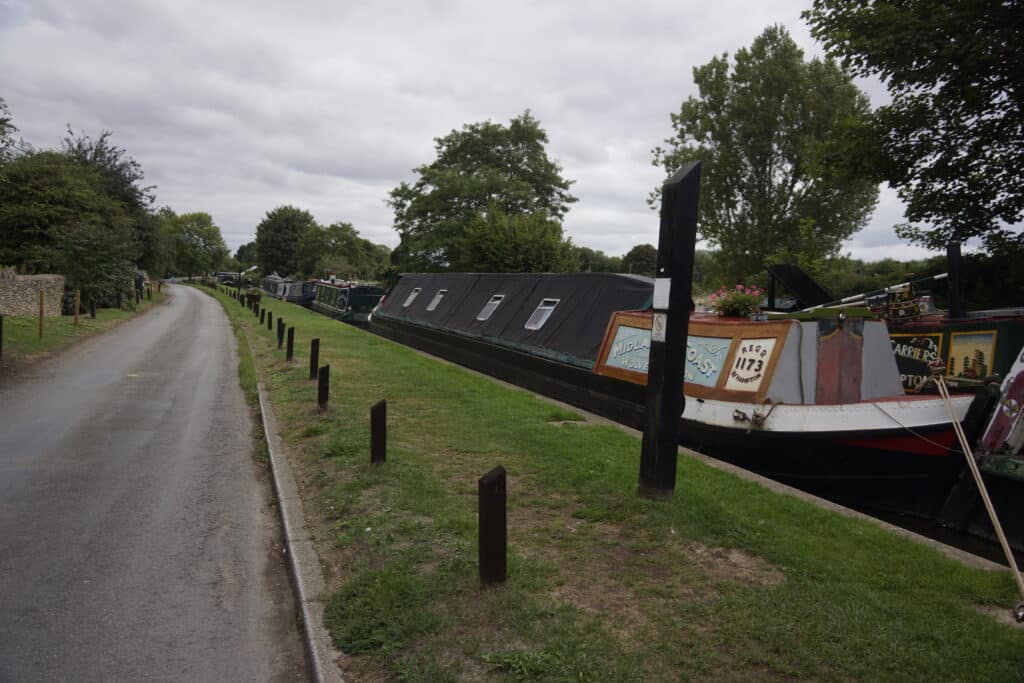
(314, 357)
(379, 432)
(42, 311)
(493, 530)
(323, 388)
(954, 285)
(78, 302)
(672, 286)
(290, 344)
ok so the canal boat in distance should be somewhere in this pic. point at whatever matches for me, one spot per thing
(348, 302)
(815, 403)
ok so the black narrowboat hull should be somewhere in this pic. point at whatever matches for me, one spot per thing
(873, 471)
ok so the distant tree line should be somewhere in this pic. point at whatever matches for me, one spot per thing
(82, 210)
(291, 243)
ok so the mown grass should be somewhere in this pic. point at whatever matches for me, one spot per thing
(727, 580)
(22, 343)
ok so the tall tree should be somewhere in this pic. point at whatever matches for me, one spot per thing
(278, 237)
(952, 137)
(199, 247)
(246, 255)
(55, 216)
(123, 180)
(596, 261)
(8, 146)
(773, 134)
(532, 243)
(640, 260)
(483, 165)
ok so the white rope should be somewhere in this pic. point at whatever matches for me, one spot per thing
(958, 428)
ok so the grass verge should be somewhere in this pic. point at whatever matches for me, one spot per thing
(22, 343)
(727, 580)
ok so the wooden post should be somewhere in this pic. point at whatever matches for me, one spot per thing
(263, 315)
(314, 358)
(379, 433)
(280, 333)
(92, 309)
(954, 285)
(493, 541)
(673, 281)
(149, 293)
(78, 302)
(42, 310)
(290, 346)
(270, 320)
(323, 388)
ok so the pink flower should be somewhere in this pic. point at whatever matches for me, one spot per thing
(739, 288)
(714, 297)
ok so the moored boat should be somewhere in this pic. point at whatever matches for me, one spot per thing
(818, 404)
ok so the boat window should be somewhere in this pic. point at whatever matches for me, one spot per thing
(412, 296)
(437, 299)
(541, 315)
(492, 305)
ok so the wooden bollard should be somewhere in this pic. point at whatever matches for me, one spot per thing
(493, 532)
(263, 315)
(78, 303)
(42, 310)
(270, 320)
(323, 388)
(280, 333)
(314, 358)
(379, 433)
(92, 309)
(290, 346)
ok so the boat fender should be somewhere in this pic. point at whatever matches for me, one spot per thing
(1018, 612)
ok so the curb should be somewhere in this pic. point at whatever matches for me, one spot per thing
(302, 558)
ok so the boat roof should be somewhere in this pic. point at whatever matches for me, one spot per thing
(571, 332)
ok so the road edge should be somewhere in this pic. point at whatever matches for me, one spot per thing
(303, 562)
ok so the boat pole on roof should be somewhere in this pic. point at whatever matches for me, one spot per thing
(677, 238)
(854, 298)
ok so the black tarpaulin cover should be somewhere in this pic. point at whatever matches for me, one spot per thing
(573, 332)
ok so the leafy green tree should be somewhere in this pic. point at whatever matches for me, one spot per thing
(952, 138)
(641, 260)
(56, 217)
(123, 180)
(246, 255)
(596, 261)
(774, 133)
(483, 165)
(199, 247)
(8, 145)
(524, 243)
(340, 249)
(278, 237)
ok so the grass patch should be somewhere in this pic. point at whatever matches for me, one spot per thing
(22, 343)
(727, 580)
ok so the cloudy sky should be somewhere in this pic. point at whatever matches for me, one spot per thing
(234, 108)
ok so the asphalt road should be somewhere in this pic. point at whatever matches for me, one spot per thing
(137, 536)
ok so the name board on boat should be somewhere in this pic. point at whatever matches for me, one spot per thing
(705, 358)
(631, 349)
(723, 359)
(750, 364)
(914, 353)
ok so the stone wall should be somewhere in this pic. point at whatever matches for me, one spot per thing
(19, 294)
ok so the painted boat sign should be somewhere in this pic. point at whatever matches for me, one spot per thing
(705, 357)
(748, 368)
(630, 349)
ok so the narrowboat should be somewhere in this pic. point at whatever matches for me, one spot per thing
(816, 403)
(348, 302)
